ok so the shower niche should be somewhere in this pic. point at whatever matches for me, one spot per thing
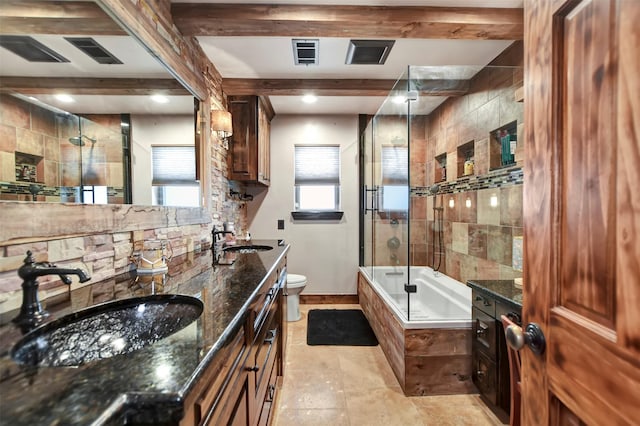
(29, 168)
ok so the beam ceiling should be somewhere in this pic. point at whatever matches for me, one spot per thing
(94, 86)
(336, 87)
(258, 20)
(55, 17)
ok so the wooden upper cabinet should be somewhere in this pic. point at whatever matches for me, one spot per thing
(249, 149)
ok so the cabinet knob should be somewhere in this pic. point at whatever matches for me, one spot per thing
(255, 368)
(480, 374)
(481, 331)
(531, 336)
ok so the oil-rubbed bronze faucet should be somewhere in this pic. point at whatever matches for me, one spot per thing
(31, 312)
(215, 236)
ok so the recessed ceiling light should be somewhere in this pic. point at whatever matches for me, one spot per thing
(160, 99)
(309, 99)
(64, 98)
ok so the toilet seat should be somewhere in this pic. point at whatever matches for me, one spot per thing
(294, 280)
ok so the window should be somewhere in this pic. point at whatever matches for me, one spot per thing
(317, 177)
(395, 188)
(174, 176)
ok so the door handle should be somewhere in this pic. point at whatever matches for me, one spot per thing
(531, 336)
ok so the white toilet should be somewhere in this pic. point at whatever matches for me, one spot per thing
(295, 285)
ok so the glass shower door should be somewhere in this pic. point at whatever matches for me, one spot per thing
(390, 174)
(368, 199)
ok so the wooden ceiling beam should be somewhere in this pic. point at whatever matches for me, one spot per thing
(94, 86)
(336, 87)
(266, 20)
(19, 17)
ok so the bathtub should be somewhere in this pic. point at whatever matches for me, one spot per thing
(430, 354)
(439, 301)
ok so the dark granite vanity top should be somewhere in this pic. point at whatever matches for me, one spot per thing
(150, 384)
(504, 290)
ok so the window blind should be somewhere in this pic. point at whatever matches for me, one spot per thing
(395, 164)
(174, 165)
(317, 165)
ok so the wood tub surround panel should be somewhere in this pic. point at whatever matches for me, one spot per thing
(389, 333)
(438, 375)
(425, 361)
(438, 342)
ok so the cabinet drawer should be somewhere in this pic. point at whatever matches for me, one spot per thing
(484, 303)
(484, 332)
(229, 367)
(266, 347)
(484, 376)
(269, 398)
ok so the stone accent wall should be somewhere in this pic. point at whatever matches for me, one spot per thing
(98, 239)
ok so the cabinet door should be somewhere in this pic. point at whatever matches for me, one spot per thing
(240, 414)
(264, 149)
(243, 150)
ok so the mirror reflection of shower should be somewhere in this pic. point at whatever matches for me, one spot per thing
(86, 190)
(79, 140)
(437, 232)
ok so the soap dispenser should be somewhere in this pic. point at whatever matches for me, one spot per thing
(230, 237)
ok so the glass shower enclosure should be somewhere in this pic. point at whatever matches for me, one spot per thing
(439, 157)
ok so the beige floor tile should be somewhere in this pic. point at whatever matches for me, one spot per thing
(382, 407)
(455, 410)
(354, 385)
(317, 417)
(355, 359)
(312, 389)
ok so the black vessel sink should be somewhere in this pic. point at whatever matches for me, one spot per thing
(247, 248)
(106, 330)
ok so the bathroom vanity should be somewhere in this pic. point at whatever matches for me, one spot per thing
(490, 371)
(220, 369)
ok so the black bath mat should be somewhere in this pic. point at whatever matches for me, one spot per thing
(343, 327)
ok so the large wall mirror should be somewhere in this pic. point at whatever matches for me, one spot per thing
(87, 115)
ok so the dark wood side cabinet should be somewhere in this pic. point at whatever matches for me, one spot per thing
(249, 150)
(489, 350)
(239, 386)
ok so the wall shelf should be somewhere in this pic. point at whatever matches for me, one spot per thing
(440, 168)
(502, 143)
(466, 152)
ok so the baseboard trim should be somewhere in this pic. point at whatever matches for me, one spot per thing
(329, 299)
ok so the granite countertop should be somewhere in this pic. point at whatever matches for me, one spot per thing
(150, 384)
(504, 290)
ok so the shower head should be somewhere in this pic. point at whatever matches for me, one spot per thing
(433, 189)
(78, 141)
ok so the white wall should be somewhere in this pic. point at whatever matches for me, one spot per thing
(147, 130)
(325, 252)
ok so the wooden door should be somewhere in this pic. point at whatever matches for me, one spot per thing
(582, 211)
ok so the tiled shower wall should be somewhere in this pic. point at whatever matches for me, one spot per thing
(30, 129)
(481, 215)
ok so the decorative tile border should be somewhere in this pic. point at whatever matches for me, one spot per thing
(50, 191)
(494, 179)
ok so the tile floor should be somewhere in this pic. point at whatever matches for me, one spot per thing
(352, 385)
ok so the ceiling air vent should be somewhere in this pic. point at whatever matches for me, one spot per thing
(368, 52)
(30, 49)
(305, 52)
(94, 50)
